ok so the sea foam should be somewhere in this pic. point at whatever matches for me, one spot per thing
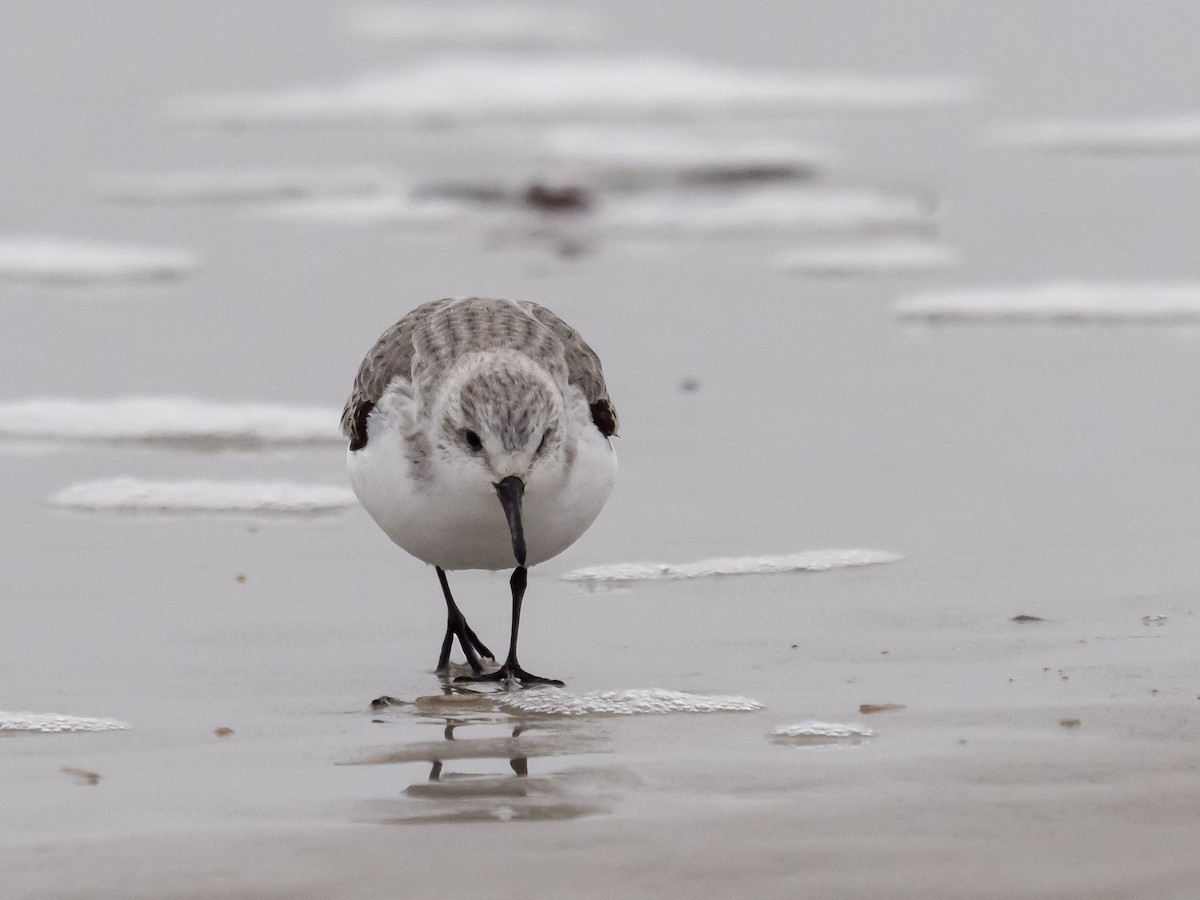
(1070, 302)
(58, 261)
(1160, 134)
(551, 701)
(811, 561)
(55, 723)
(482, 88)
(394, 210)
(890, 258)
(641, 154)
(246, 185)
(135, 495)
(812, 732)
(759, 210)
(478, 25)
(171, 420)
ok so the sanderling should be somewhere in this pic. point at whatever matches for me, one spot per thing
(466, 401)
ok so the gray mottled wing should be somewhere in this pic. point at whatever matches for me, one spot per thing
(583, 368)
(391, 356)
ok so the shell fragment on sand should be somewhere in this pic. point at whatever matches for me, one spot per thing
(476, 25)
(494, 87)
(1070, 302)
(761, 210)
(888, 258)
(134, 495)
(56, 723)
(1151, 135)
(811, 561)
(170, 420)
(58, 261)
(868, 708)
(551, 701)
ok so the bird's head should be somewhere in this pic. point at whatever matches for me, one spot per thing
(504, 422)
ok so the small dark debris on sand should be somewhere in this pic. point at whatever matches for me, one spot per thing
(222, 732)
(868, 708)
(749, 173)
(556, 198)
(1069, 723)
(384, 702)
(1025, 618)
(81, 776)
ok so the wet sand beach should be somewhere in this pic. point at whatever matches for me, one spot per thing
(1002, 701)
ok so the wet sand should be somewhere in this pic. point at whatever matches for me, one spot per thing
(1037, 470)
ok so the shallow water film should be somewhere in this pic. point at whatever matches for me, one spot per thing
(896, 595)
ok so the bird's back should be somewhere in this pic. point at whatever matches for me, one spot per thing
(424, 345)
(455, 328)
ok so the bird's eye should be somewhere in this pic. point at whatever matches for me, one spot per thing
(472, 440)
(545, 439)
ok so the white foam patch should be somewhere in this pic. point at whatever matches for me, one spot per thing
(55, 723)
(168, 420)
(135, 495)
(682, 154)
(1162, 134)
(481, 88)
(814, 732)
(805, 210)
(1148, 303)
(385, 210)
(890, 258)
(57, 261)
(477, 25)
(811, 561)
(551, 701)
(246, 185)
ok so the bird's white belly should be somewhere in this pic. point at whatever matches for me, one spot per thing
(458, 523)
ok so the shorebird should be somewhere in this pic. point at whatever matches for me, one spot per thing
(479, 439)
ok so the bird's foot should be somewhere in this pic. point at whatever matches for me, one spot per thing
(470, 643)
(479, 646)
(509, 676)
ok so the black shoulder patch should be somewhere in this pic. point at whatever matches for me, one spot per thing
(605, 417)
(358, 425)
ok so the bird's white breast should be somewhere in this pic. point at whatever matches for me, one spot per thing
(451, 517)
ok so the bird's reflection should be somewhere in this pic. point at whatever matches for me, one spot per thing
(448, 793)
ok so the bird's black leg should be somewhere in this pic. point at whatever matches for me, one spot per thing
(456, 626)
(511, 670)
